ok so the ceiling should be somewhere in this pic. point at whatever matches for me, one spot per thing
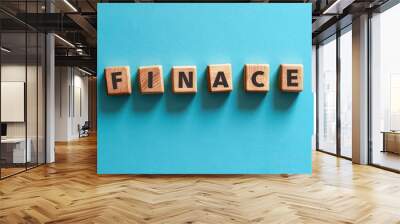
(75, 22)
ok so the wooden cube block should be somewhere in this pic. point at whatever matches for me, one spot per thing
(220, 78)
(256, 77)
(184, 79)
(118, 80)
(291, 77)
(151, 79)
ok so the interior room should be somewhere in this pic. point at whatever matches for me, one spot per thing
(385, 90)
(139, 111)
(22, 103)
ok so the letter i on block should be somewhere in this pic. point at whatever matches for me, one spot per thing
(184, 79)
(256, 77)
(151, 79)
(220, 78)
(118, 80)
(291, 78)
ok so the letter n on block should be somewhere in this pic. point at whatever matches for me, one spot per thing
(291, 78)
(256, 77)
(184, 79)
(220, 78)
(151, 79)
(118, 80)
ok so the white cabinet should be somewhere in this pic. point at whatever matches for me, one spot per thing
(19, 155)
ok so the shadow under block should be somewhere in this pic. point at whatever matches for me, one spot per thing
(118, 80)
(151, 79)
(256, 77)
(291, 77)
(220, 78)
(184, 79)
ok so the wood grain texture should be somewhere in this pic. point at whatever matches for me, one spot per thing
(220, 78)
(295, 83)
(122, 85)
(151, 79)
(70, 191)
(256, 77)
(182, 74)
(92, 103)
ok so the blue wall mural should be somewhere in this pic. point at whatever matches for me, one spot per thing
(204, 133)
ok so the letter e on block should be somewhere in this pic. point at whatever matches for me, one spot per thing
(151, 79)
(291, 78)
(220, 78)
(184, 79)
(118, 80)
(256, 77)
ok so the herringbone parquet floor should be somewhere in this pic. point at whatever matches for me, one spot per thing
(70, 191)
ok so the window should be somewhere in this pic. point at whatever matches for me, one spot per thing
(385, 89)
(346, 93)
(327, 96)
(335, 74)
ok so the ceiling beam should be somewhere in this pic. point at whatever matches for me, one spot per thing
(86, 27)
(78, 61)
(338, 6)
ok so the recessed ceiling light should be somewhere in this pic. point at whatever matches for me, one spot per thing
(5, 50)
(64, 40)
(337, 7)
(85, 72)
(70, 5)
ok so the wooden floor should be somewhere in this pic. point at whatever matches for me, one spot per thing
(5, 172)
(386, 159)
(70, 191)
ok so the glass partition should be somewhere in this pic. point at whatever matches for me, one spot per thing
(14, 153)
(385, 89)
(41, 97)
(346, 93)
(327, 96)
(31, 100)
(22, 77)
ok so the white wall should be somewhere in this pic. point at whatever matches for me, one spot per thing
(62, 82)
(34, 125)
(80, 110)
(71, 102)
(16, 73)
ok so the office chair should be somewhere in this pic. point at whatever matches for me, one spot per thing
(84, 130)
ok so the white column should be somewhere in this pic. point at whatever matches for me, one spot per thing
(50, 99)
(360, 90)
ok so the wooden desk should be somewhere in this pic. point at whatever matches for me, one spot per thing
(391, 141)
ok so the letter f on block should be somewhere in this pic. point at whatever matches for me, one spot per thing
(118, 80)
(116, 77)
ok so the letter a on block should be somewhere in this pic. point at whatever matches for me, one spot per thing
(256, 77)
(118, 80)
(291, 78)
(151, 79)
(220, 78)
(184, 79)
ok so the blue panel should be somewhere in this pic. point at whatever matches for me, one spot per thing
(235, 133)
